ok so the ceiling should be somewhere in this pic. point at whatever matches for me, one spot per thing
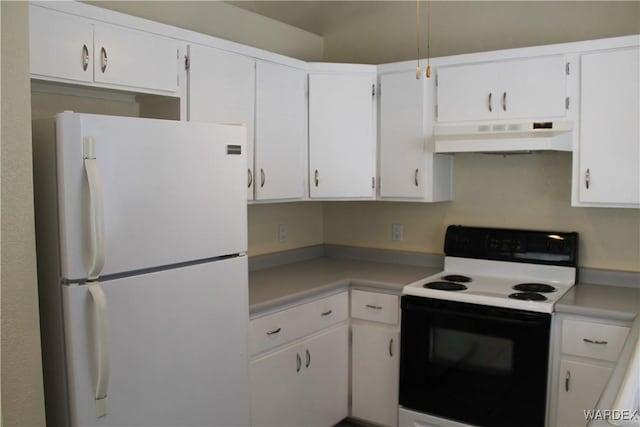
(317, 17)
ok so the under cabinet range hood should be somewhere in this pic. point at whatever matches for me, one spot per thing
(503, 138)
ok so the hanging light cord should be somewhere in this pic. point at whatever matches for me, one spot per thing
(428, 71)
(418, 72)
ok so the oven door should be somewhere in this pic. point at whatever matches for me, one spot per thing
(474, 364)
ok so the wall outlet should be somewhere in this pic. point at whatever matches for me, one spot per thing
(282, 232)
(396, 232)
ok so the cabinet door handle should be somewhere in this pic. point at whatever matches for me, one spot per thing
(326, 313)
(262, 178)
(566, 381)
(391, 347)
(85, 57)
(504, 101)
(250, 178)
(317, 179)
(308, 359)
(587, 178)
(415, 178)
(373, 182)
(275, 331)
(298, 362)
(103, 59)
(590, 341)
(490, 103)
(375, 307)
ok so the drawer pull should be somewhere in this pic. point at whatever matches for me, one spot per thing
(375, 307)
(566, 381)
(275, 331)
(326, 313)
(594, 341)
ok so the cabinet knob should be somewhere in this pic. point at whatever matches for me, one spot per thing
(103, 59)
(308, 358)
(298, 362)
(85, 57)
(250, 178)
(262, 177)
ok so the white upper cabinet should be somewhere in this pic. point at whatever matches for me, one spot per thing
(342, 135)
(71, 49)
(609, 144)
(221, 89)
(515, 89)
(407, 166)
(281, 132)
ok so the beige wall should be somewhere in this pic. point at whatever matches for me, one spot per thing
(223, 20)
(22, 394)
(386, 32)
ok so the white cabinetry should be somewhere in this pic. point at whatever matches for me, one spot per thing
(588, 349)
(300, 366)
(281, 132)
(70, 49)
(342, 135)
(222, 90)
(375, 357)
(408, 168)
(515, 89)
(608, 172)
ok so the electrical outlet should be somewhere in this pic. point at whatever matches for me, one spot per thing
(282, 232)
(396, 232)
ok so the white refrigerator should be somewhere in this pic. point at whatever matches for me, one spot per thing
(141, 230)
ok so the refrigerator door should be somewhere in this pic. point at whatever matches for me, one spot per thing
(178, 348)
(161, 192)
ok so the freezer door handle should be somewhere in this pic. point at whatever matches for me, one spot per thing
(102, 347)
(96, 211)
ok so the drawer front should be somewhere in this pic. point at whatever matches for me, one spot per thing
(279, 328)
(595, 340)
(374, 306)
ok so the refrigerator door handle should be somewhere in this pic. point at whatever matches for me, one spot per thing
(96, 213)
(102, 347)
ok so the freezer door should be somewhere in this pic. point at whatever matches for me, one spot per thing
(178, 348)
(170, 192)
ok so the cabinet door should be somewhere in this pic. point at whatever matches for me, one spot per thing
(281, 137)
(532, 88)
(402, 135)
(609, 132)
(374, 374)
(326, 378)
(468, 92)
(133, 58)
(222, 90)
(60, 46)
(341, 136)
(275, 388)
(579, 389)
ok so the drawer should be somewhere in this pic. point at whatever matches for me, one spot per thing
(591, 339)
(279, 328)
(374, 306)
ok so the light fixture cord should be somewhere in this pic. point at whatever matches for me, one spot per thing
(428, 71)
(418, 39)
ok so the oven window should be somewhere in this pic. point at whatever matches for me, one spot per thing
(471, 351)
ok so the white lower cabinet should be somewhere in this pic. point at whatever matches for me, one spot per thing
(299, 368)
(588, 350)
(375, 357)
(303, 384)
(374, 372)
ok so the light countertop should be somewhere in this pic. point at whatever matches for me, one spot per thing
(287, 283)
(610, 302)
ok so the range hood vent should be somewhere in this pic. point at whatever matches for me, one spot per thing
(503, 138)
